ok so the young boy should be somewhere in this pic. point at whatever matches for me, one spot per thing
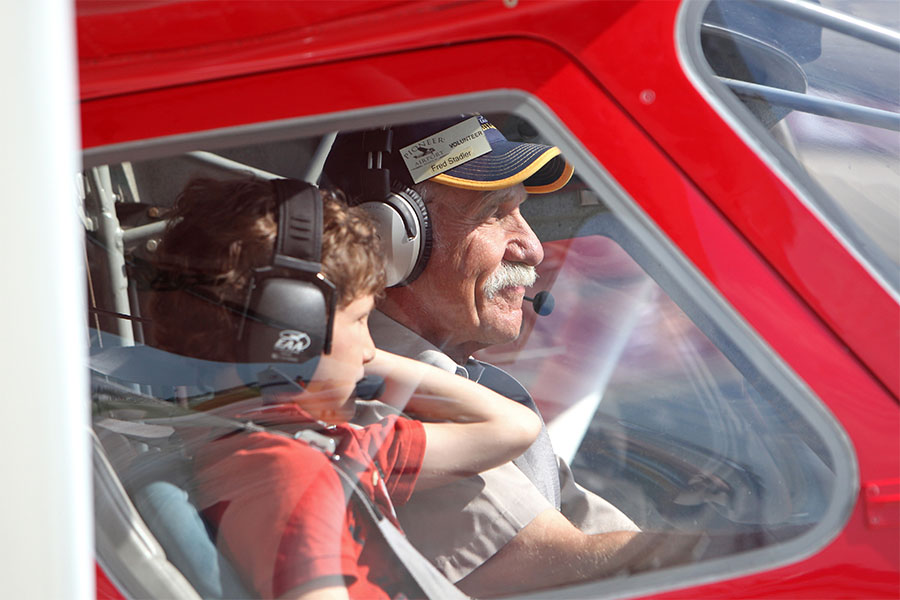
(277, 504)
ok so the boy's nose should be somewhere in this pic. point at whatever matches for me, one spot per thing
(368, 348)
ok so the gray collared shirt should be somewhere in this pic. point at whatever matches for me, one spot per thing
(460, 525)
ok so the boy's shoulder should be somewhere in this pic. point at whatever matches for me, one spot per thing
(263, 453)
(281, 445)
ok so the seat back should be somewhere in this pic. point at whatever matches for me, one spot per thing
(151, 537)
(127, 550)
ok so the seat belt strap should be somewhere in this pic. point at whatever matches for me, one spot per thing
(432, 582)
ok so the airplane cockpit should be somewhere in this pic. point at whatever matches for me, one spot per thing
(652, 387)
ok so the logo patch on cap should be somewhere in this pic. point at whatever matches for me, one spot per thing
(445, 150)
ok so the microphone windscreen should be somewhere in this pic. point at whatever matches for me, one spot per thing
(543, 303)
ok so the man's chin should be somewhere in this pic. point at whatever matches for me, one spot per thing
(501, 327)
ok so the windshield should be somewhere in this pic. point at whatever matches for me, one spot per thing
(669, 424)
(823, 78)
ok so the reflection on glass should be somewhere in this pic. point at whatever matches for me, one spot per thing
(657, 410)
(850, 143)
(653, 416)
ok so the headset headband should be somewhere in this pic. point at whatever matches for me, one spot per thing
(299, 242)
(298, 249)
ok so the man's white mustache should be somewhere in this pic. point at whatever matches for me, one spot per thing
(509, 274)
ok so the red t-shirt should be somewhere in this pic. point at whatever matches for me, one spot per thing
(282, 515)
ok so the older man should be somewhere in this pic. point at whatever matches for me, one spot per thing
(525, 525)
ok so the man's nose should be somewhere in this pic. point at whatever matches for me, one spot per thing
(524, 245)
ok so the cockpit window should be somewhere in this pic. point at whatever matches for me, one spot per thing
(665, 408)
(655, 417)
(822, 79)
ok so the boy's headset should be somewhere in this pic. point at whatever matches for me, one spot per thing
(288, 315)
(397, 211)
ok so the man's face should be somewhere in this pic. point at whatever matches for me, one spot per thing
(475, 233)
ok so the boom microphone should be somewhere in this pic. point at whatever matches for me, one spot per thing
(542, 303)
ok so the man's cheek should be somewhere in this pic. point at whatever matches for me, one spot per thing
(504, 310)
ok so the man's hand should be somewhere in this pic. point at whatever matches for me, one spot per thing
(550, 551)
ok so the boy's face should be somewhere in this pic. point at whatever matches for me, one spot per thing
(329, 395)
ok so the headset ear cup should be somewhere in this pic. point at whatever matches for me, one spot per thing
(421, 213)
(402, 223)
(287, 321)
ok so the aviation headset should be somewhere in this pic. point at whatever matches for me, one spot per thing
(288, 315)
(398, 212)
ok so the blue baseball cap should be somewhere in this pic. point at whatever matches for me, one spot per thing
(539, 167)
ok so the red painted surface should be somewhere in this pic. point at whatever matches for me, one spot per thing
(750, 195)
(152, 44)
(106, 589)
(165, 73)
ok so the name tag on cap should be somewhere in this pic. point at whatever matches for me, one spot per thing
(445, 150)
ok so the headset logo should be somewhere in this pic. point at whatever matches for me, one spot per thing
(290, 344)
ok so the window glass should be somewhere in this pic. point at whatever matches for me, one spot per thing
(656, 418)
(657, 407)
(830, 96)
